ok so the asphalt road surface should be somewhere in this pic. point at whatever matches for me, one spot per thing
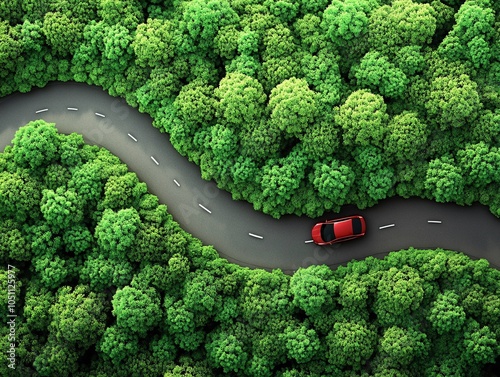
(238, 232)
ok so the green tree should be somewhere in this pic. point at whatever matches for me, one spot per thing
(78, 316)
(63, 34)
(404, 23)
(399, 292)
(123, 192)
(350, 344)
(56, 359)
(333, 181)
(125, 12)
(118, 343)
(36, 145)
(241, 100)
(102, 273)
(444, 180)
(480, 164)
(154, 43)
(116, 231)
(292, 106)
(78, 239)
(346, 20)
(481, 344)
(363, 119)
(61, 209)
(406, 137)
(446, 314)
(19, 196)
(302, 343)
(377, 73)
(11, 49)
(313, 289)
(453, 101)
(403, 345)
(226, 352)
(135, 310)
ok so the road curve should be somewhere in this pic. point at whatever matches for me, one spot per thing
(239, 233)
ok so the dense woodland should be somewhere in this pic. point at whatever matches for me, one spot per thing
(297, 106)
(108, 284)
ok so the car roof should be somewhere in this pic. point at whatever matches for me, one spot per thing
(343, 228)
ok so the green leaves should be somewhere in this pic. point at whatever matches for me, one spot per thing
(135, 310)
(61, 209)
(446, 314)
(363, 119)
(292, 106)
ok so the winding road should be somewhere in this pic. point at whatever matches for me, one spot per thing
(238, 232)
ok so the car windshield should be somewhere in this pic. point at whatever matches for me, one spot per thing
(356, 225)
(327, 233)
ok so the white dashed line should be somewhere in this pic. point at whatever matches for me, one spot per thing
(434, 221)
(255, 235)
(177, 183)
(309, 241)
(386, 226)
(100, 115)
(41, 111)
(205, 208)
(72, 109)
(132, 137)
(154, 159)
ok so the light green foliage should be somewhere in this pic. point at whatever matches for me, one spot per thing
(135, 310)
(125, 12)
(268, 291)
(346, 20)
(453, 101)
(116, 231)
(36, 145)
(404, 23)
(480, 164)
(38, 302)
(195, 103)
(226, 352)
(400, 292)
(10, 50)
(410, 60)
(403, 345)
(19, 197)
(52, 270)
(13, 244)
(118, 343)
(202, 20)
(377, 73)
(333, 181)
(154, 43)
(313, 289)
(78, 316)
(63, 34)
(481, 344)
(102, 273)
(446, 313)
(363, 119)
(123, 191)
(241, 100)
(444, 180)
(350, 344)
(78, 239)
(56, 359)
(309, 33)
(292, 106)
(302, 343)
(262, 142)
(406, 137)
(61, 209)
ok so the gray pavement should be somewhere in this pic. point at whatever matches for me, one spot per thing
(238, 232)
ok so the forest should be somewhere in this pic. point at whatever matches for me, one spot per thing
(296, 106)
(108, 284)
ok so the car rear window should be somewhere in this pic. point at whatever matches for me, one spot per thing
(327, 233)
(356, 225)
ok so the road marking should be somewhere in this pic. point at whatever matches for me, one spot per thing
(132, 137)
(41, 111)
(72, 109)
(100, 115)
(255, 235)
(434, 221)
(205, 208)
(386, 226)
(154, 159)
(177, 183)
(309, 241)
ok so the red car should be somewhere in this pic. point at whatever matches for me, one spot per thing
(338, 230)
